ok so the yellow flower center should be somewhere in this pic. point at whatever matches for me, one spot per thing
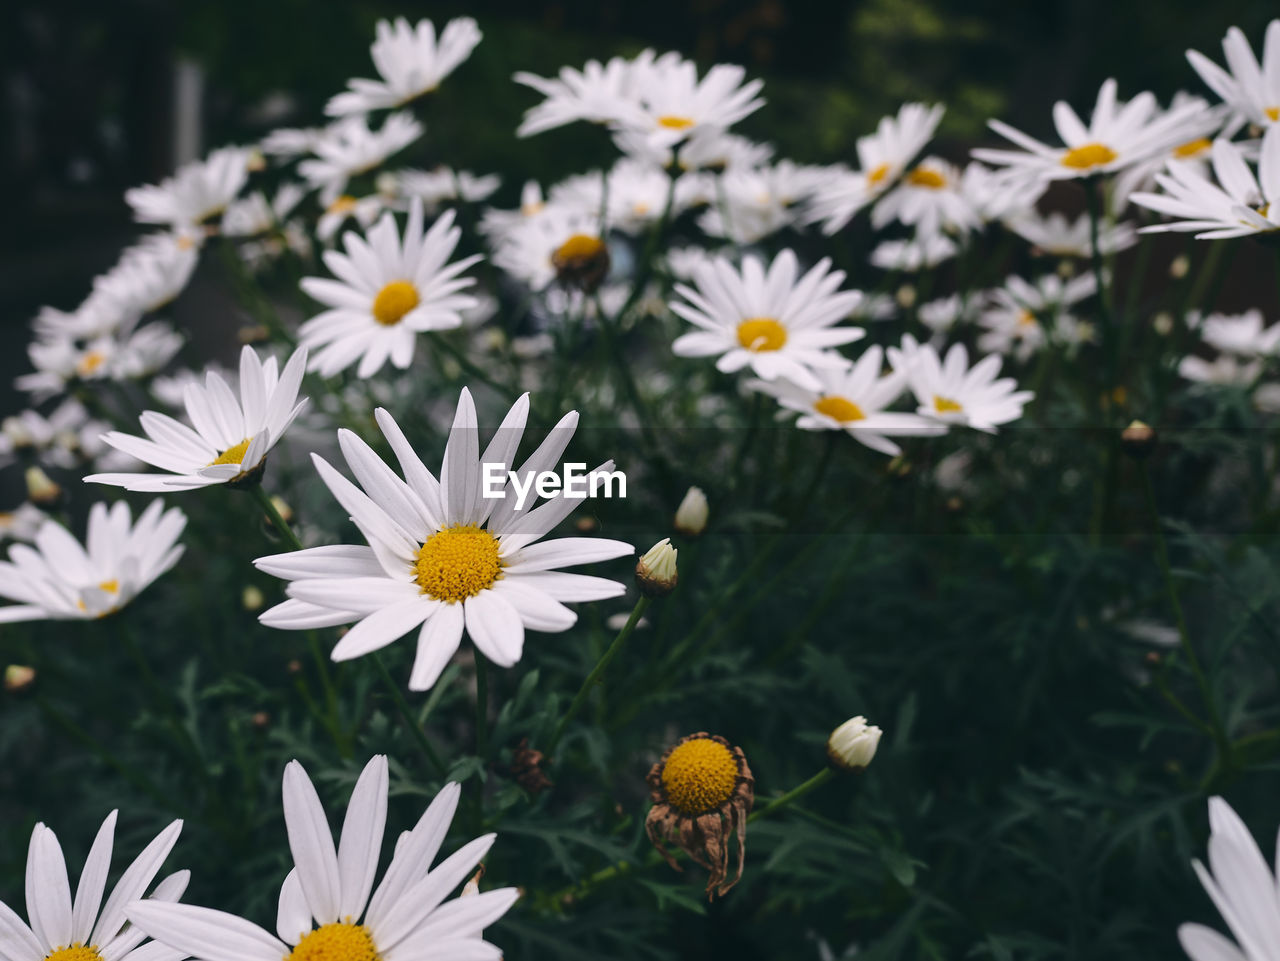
(90, 363)
(761, 333)
(674, 122)
(924, 177)
(343, 205)
(232, 455)
(111, 587)
(77, 952)
(839, 408)
(336, 941)
(699, 776)
(1193, 148)
(1027, 319)
(640, 208)
(457, 563)
(1088, 155)
(1273, 113)
(394, 301)
(877, 174)
(578, 248)
(945, 405)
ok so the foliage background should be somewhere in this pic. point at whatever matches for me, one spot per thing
(1034, 797)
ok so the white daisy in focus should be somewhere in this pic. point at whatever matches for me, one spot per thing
(777, 323)
(58, 579)
(229, 439)
(349, 148)
(329, 909)
(1252, 91)
(1118, 135)
(952, 392)
(1240, 204)
(411, 62)
(1242, 887)
(929, 198)
(442, 555)
(882, 157)
(854, 400)
(922, 252)
(86, 929)
(1241, 334)
(1055, 236)
(389, 289)
(198, 192)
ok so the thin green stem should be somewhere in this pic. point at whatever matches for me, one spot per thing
(797, 792)
(406, 714)
(281, 525)
(482, 704)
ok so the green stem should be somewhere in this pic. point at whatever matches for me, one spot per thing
(797, 792)
(482, 704)
(585, 691)
(406, 713)
(281, 525)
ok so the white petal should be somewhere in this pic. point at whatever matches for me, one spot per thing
(362, 837)
(93, 881)
(311, 843)
(205, 933)
(293, 916)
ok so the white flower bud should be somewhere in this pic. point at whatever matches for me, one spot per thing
(656, 570)
(853, 744)
(691, 515)
(41, 489)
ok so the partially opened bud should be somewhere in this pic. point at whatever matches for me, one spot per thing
(18, 677)
(853, 744)
(1138, 440)
(41, 489)
(691, 515)
(656, 570)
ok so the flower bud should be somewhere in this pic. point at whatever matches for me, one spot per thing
(1179, 266)
(18, 677)
(691, 515)
(656, 570)
(251, 597)
(282, 508)
(41, 489)
(853, 744)
(1138, 440)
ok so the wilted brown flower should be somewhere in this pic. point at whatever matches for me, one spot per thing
(526, 768)
(702, 791)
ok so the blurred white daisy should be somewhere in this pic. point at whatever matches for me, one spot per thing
(952, 392)
(1055, 236)
(919, 253)
(595, 93)
(929, 198)
(1022, 316)
(63, 361)
(254, 215)
(1238, 205)
(1199, 132)
(58, 579)
(882, 158)
(855, 401)
(349, 147)
(775, 322)
(86, 929)
(198, 192)
(441, 554)
(1252, 91)
(1242, 887)
(1223, 371)
(999, 194)
(411, 62)
(533, 247)
(1244, 335)
(943, 314)
(22, 523)
(1118, 135)
(633, 194)
(329, 907)
(388, 290)
(750, 203)
(231, 437)
(445, 185)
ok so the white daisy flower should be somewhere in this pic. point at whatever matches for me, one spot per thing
(998, 194)
(707, 148)
(532, 248)
(198, 192)
(929, 198)
(496, 224)
(1199, 131)
(231, 437)
(254, 215)
(62, 361)
(752, 203)
(854, 400)
(349, 148)
(1242, 887)
(444, 185)
(596, 93)
(1241, 334)
(85, 929)
(388, 290)
(1223, 371)
(58, 579)
(292, 142)
(329, 908)
(1055, 236)
(1238, 205)
(30, 432)
(22, 523)
(1021, 317)
(776, 323)
(442, 554)
(919, 253)
(411, 62)
(943, 314)
(635, 197)
(952, 392)
(882, 157)
(1252, 91)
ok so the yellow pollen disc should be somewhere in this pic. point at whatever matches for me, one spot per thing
(457, 563)
(577, 248)
(1273, 113)
(90, 362)
(1193, 148)
(343, 205)
(185, 242)
(945, 405)
(335, 942)
(111, 587)
(699, 776)
(77, 952)
(877, 174)
(674, 122)
(1263, 210)
(394, 301)
(232, 455)
(924, 177)
(1088, 155)
(839, 408)
(640, 208)
(761, 333)
(1027, 319)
